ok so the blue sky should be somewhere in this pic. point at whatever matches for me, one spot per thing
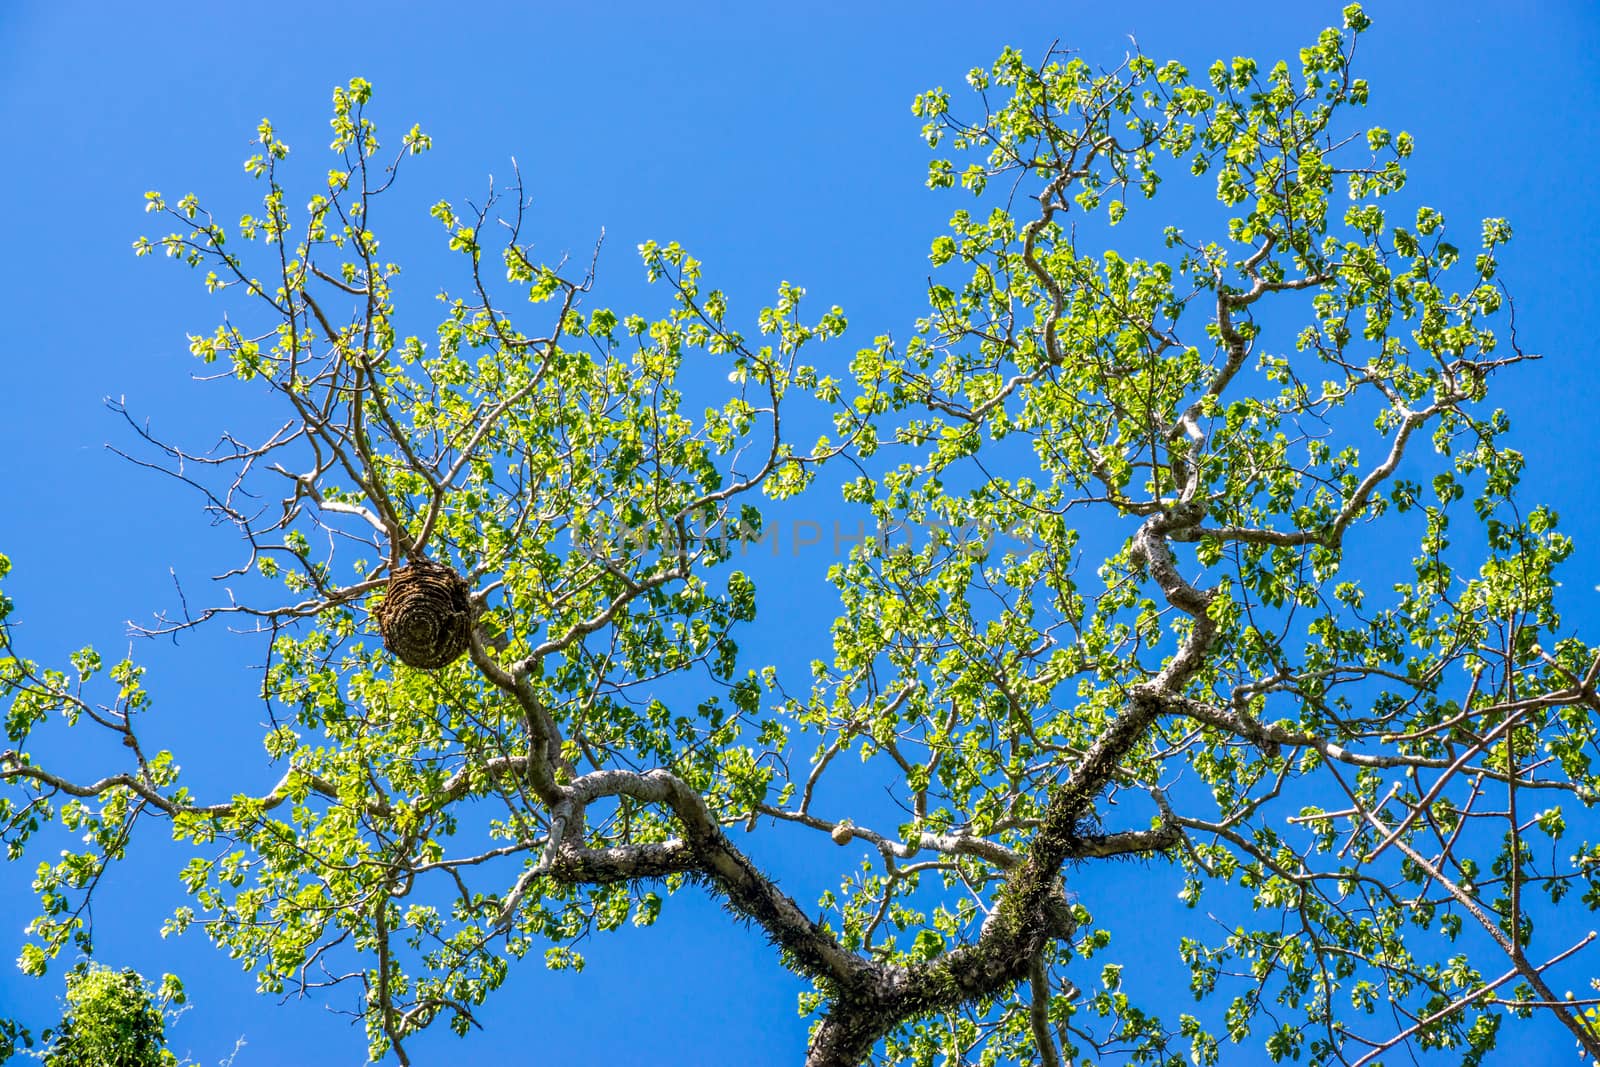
(775, 142)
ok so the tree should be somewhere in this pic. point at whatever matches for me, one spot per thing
(1360, 764)
(111, 1020)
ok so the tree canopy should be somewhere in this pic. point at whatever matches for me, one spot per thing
(112, 1020)
(1204, 554)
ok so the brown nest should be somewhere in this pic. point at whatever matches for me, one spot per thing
(426, 616)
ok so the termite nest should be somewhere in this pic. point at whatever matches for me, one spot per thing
(426, 615)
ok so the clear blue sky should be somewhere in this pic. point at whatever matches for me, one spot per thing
(776, 142)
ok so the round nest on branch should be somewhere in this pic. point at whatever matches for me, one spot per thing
(426, 616)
